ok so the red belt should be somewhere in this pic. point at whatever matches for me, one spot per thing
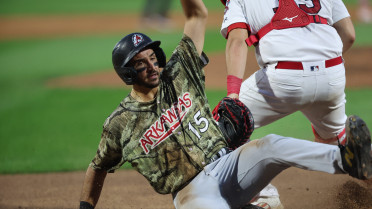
(298, 65)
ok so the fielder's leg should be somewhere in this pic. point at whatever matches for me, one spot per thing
(327, 110)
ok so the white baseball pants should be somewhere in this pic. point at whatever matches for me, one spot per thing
(318, 92)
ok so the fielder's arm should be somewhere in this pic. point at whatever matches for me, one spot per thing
(196, 19)
(346, 31)
(236, 56)
(92, 187)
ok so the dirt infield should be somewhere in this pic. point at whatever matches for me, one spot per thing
(127, 189)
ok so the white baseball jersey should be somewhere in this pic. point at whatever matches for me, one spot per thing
(310, 43)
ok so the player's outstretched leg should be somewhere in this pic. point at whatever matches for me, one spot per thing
(356, 157)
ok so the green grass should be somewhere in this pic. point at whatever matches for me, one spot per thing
(363, 34)
(44, 7)
(57, 130)
(48, 7)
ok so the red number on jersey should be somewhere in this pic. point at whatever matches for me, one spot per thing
(310, 10)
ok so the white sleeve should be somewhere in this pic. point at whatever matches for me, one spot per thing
(234, 13)
(339, 11)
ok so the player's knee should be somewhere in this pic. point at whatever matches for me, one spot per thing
(268, 141)
(272, 138)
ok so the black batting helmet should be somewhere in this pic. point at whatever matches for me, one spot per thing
(127, 48)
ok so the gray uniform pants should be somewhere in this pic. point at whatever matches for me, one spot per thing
(234, 179)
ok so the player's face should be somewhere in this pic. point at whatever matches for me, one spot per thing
(147, 67)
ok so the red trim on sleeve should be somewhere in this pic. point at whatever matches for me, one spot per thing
(241, 25)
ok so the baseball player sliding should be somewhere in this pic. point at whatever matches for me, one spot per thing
(165, 129)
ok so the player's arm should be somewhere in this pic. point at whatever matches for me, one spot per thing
(92, 187)
(346, 31)
(196, 19)
(236, 58)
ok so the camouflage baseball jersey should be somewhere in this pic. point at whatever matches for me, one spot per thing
(172, 138)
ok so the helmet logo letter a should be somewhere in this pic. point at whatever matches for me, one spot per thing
(137, 39)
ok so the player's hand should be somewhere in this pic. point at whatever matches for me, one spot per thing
(233, 95)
